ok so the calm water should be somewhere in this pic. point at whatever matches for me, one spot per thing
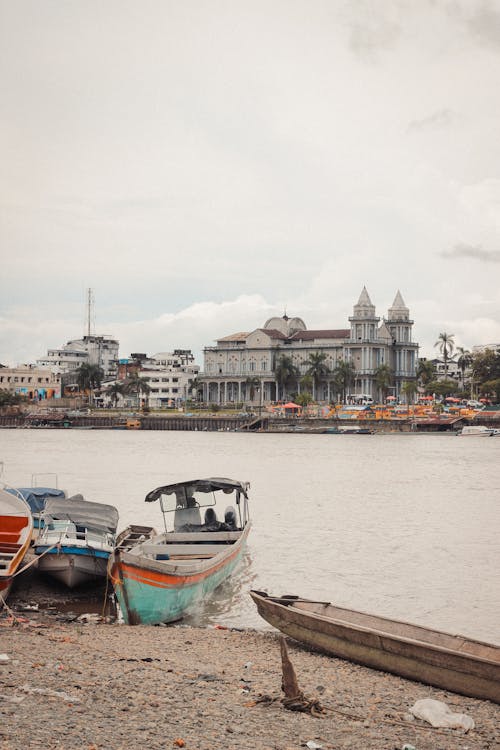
(405, 526)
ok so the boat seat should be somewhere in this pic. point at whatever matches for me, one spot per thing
(12, 524)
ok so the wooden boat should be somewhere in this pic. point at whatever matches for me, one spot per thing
(451, 662)
(16, 527)
(133, 535)
(76, 540)
(158, 579)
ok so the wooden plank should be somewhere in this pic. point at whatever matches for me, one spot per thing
(196, 550)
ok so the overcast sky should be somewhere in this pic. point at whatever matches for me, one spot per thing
(205, 165)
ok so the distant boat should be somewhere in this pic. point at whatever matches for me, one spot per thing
(476, 430)
(348, 430)
(158, 579)
(16, 527)
(76, 540)
(451, 662)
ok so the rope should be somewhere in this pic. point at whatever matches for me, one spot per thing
(35, 560)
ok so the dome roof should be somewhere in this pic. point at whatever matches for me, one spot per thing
(287, 326)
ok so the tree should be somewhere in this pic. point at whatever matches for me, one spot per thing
(252, 383)
(343, 377)
(408, 389)
(383, 379)
(114, 391)
(137, 385)
(426, 372)
(318, 369)
(89, 377)
(446, 345)
(196, 386)
(464, 361)
(286, 373)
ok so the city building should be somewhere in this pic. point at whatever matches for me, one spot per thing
(244, 364)
(168, 376)
(91, 349)
(33, 382)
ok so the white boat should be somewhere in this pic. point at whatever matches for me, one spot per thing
(76, 540)
(476, 430)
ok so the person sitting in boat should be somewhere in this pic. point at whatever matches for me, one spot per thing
(230, 519)
(187, 512)
(211, 521)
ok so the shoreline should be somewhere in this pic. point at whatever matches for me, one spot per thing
(115, 686)
(72, 679)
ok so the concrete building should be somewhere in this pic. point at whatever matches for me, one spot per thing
(168, 374)
(91, 349)
(36, 383)
(244, 363)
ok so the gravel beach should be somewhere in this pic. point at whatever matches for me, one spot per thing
(101, 685)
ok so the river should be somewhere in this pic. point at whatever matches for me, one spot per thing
(400, 525)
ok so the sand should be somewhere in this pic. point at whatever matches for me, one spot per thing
(98, 685)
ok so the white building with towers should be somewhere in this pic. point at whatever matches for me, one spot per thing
(232, 366)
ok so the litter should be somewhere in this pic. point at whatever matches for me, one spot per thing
(438, 714)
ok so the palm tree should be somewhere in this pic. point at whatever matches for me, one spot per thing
(426, 371)
(285, 373)
(446, 345)
(137, 385)
(317, 369)
(114, 391)
(195, 386)
(344, 374)
(252, 382)
(383, 378)
(464, 361)
(408, 389)
(89, 377)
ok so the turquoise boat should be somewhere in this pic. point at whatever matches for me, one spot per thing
(161, 577)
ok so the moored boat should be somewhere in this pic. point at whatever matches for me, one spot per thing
(451, 662)
(36, 497)
(76, 540)
(159, 579)
(16, 526)
(476, 430)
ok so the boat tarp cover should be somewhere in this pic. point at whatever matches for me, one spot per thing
(200, 485)
(82, 513)
(36, 496)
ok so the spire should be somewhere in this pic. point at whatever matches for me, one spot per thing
(398, 311)
(364, 310)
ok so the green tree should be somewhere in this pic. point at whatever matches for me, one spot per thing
(383, 379)
(89, 378)
(491, 389)
(114, 391)
(317, 369)
(286, 374)
(426, 372)
(409, 389)
(446, 345)
(195, 387)
(463, 362)
(137, 386)
(343, 377)
(251, 383)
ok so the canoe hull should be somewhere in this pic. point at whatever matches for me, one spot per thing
(458, 672)
(74, 566)
(149, 592)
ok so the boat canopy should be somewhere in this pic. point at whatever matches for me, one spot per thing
(82, 513)
(36, 496)
(200, 485)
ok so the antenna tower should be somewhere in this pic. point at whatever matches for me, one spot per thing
(90, 316)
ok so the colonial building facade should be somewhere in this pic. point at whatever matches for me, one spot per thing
(242, 366)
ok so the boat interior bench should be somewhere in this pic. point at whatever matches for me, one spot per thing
(191, 545)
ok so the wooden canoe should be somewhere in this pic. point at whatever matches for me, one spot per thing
(450, 662)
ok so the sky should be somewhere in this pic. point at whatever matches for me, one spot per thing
(205, 165)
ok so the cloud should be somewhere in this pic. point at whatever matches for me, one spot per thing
(462, 250)
(485, 24)
(441, 119)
